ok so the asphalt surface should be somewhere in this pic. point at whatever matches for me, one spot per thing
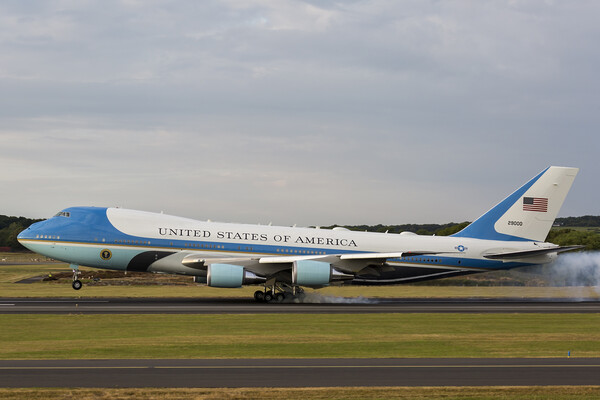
(300, 372)
(328, 305)
(295, 372)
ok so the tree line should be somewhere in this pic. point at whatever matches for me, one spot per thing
(586, 221)
(419, 229)
(566, 231)
(10, 227)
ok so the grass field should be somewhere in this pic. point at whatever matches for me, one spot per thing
(298, 336)
(43, 289)
(349, 393)
(9, 274)
(259, 336)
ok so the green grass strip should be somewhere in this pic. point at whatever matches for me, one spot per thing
(9, 274)
(302, 336)
(50, 289)
(362, 393)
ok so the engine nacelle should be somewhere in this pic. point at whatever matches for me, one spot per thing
(316, 273)
(230, 276)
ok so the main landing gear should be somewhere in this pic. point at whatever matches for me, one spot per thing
(76, 282)
(268, 297)
(277, 292)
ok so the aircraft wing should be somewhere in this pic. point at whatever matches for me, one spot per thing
(269, 265)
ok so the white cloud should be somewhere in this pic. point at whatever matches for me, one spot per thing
(292, 111)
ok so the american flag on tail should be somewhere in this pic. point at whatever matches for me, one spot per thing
(539, 204)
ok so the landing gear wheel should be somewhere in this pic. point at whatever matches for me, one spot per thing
(279, 297)
(268, 297)
(77, 284)
(259, 295)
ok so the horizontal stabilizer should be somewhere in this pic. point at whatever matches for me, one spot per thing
(530, 253)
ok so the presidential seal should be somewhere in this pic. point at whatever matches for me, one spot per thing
(105, 254)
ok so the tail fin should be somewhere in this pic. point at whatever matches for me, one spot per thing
(528, 213)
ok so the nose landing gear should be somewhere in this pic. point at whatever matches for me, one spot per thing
(76, 282)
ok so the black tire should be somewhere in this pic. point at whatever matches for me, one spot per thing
(268, 297)
(280, 297)
(77, 284)
(259, 295)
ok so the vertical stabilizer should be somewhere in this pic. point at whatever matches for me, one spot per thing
(528, 213)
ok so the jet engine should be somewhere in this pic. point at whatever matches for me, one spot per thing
(230, 276)
(316, 273)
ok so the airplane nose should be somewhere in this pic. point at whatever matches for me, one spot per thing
(25, 234)
(29, 233)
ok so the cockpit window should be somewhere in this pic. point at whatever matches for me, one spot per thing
(63, 214)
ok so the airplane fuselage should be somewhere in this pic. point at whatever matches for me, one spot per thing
(121, 239)
(284, 259)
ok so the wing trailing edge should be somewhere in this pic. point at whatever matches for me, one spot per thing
(199, 261)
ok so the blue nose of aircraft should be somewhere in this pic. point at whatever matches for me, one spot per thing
(25, 234)
(30, 233)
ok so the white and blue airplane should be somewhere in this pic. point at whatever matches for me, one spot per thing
(284, 259)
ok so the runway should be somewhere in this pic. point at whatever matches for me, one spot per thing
(330, 305)
(295, 372)
(300, 372)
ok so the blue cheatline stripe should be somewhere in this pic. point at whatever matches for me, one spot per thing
(483, 227)
(203, 246)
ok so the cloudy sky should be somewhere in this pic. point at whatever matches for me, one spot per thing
(306, 112)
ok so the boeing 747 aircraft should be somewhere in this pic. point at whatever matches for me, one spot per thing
(284, 259)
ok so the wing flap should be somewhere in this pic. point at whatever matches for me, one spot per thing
(385, 256)
(201, 262)
(250, 263)
(291, 259)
